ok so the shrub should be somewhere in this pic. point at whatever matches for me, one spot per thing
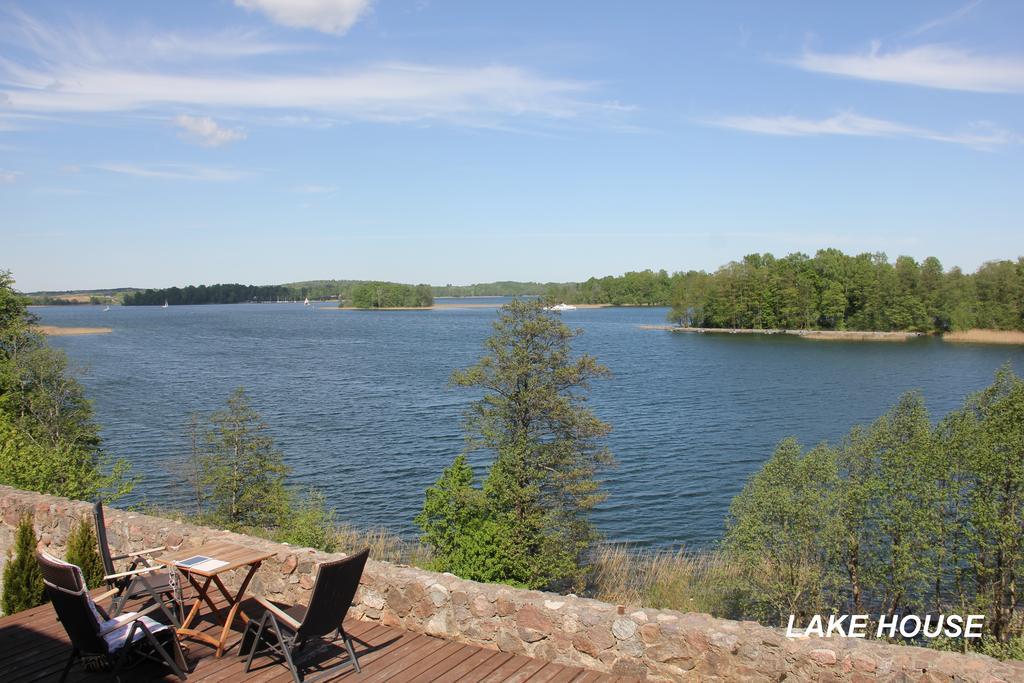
(82, 550)
(23, 580)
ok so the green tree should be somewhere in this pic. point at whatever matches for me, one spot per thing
(82, 551)
(49, 441)
(547, 451)
(460, 527)
(243, 472)
(23, 580)
(782, 530)
(992, 423)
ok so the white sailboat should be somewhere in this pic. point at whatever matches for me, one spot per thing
(165, 304)
(106, 308)
(306, 302)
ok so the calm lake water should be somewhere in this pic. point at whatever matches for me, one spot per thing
(359, 402)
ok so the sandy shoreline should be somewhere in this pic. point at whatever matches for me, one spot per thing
(968, 336)
(56, 331)
(821, 335)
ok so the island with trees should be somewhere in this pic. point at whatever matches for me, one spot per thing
(391, 295)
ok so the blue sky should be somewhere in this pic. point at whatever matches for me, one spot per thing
(262, 141)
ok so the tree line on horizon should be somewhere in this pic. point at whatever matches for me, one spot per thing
(830, 290)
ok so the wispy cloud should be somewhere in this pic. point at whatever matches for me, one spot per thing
(983, 136)
(326, 16)
(8, 177)
(204, 131)
(75, 70)
(945, 20)
(931, 66)
(175, 171)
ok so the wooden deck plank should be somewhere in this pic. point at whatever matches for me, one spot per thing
(403, 658)
(481, 663)
(568, 674)
(527, 671)
(34, 647)
(429, 674)
(502, 673)
(439, 655)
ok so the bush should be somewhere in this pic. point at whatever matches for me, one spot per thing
(82, 550)
(23, 580)
(310, 524)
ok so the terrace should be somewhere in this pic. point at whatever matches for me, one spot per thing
(34, 647)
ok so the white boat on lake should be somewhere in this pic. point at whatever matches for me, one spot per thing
(560, 307)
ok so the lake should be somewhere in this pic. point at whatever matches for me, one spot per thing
(358, 401)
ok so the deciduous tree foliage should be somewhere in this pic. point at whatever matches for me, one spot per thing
(836, 291)
(391, 295)
(528, 524)
(902, 517)
(48, 440)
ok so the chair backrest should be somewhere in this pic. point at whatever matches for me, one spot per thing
(101, 538)
(335, 587)
(66, 589)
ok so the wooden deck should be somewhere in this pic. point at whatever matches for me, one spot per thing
(34, 647)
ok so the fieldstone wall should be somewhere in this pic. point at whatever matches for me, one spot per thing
(659, 645)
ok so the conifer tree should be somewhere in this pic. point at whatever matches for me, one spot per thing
(82, 551)
(23, 581)
(529, 524)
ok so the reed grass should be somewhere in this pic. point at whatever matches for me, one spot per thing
(384, 545)
(683, 580)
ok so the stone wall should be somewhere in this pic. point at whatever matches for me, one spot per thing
(656, 644)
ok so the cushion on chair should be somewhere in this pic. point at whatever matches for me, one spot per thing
(116, 638)
(81, 583)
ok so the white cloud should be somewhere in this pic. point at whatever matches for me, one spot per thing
(930, 66)
(394, 92)
(982, 136)
(73, 70)
(326, 16)
(174, 171)
(205, 131)
(8, 177)
(945, 20)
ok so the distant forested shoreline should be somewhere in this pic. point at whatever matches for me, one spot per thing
(829, 291)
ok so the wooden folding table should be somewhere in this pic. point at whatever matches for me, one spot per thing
(234, 557)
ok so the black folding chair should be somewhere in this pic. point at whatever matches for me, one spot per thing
(141, 579)
(96, 638)
(285, 632)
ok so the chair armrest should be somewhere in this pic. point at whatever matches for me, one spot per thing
(133, 572)
(277, 612)
(135, 617)
(103, 596)
(136, 553)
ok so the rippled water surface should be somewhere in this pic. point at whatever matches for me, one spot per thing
(359, 402)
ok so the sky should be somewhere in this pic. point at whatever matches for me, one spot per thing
(268, 141)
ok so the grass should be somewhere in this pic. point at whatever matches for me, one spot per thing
(682, 580)
(986, 336)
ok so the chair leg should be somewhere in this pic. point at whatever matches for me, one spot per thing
(168, 659)
(123, 654)
(67, 667)
(352, 653)
(256, 641)
(285, 649)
